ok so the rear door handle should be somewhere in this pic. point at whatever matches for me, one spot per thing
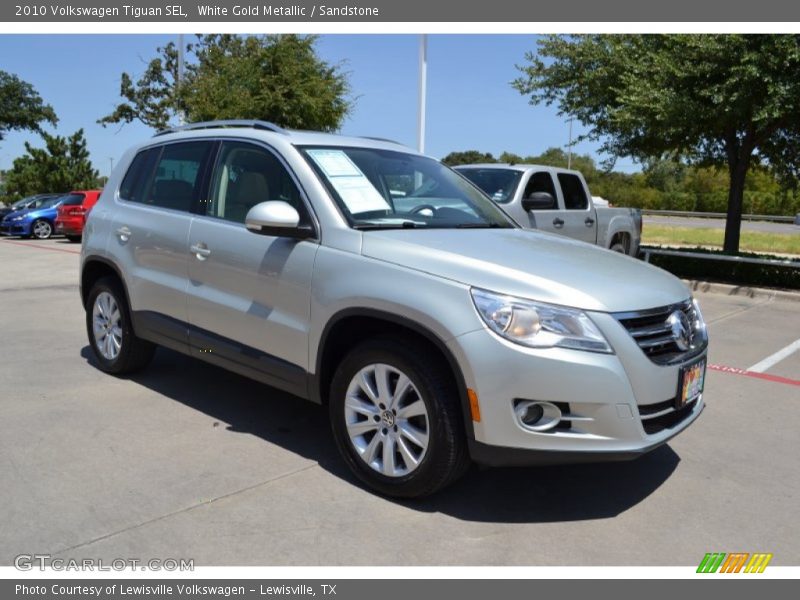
(559, 223)
(589, 221)
(124, 234)
(200, 251)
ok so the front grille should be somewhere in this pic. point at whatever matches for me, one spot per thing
(661, 416)
(653, 333)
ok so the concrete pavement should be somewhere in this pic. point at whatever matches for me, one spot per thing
(189, 461)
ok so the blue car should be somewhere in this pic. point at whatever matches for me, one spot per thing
(37, 221)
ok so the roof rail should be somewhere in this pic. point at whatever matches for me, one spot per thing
(380, 139)
(253, 123)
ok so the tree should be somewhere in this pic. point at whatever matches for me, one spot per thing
(21, 107)
(716, 100)
(468, 157)
(276, 78)
(62, 165)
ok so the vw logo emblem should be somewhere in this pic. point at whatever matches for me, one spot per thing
(681, 330)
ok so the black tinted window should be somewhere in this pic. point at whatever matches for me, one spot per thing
(139, 174)
(246, 175)
(73, 200)
(574, 194)
(168, 177)
(541, 182)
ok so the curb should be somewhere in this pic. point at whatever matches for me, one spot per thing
(707, 287)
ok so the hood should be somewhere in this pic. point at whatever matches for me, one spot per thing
(530, 264)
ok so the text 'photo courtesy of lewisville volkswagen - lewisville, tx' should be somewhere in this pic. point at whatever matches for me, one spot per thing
(413, 300)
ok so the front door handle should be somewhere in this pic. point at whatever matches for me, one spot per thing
(589, 221)
(200, 251)
(559, 223)
(123, 233)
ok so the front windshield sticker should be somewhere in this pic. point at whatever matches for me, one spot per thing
(335, 163)
(356, 191)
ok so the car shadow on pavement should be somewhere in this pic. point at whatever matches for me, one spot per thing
(509, 495)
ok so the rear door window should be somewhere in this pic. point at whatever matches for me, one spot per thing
(167, 177)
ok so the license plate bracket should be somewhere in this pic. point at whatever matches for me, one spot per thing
(690, 383)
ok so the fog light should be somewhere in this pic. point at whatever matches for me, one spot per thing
(537, 416)
(531, 414)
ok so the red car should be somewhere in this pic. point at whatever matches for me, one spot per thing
(72, 213)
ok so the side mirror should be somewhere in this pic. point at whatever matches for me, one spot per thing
(276, 218)
(539, 201)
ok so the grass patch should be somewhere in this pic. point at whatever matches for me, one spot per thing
(751, 241)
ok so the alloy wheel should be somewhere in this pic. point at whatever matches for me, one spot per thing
(387, 420)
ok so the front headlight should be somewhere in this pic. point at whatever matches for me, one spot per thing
(17, 218)
(538, 325)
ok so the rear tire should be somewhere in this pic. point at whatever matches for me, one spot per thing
(73, 238)
(396, 418)
(618, 247)
(115, 346)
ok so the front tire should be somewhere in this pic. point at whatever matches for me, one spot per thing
(41, 229)
(396, 419)
(115, 346)
(73, 238)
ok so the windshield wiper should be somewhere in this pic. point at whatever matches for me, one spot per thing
(479, 225)
(387, 225)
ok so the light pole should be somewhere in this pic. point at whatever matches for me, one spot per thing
(181, 116)
(423, 82)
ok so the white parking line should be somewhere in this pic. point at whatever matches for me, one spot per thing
(774, 359)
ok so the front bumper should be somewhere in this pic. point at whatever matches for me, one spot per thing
(21, 228)
(606, 397)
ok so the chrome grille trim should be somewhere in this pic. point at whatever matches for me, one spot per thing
(651, 332)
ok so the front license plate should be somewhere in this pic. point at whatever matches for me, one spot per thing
(690, 384)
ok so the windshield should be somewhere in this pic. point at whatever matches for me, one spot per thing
(20, 204)
(499, 184)
(382, 189)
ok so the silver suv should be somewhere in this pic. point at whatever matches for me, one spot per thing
(356, 273)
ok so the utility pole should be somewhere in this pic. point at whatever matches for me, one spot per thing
(423, 82)
(111, 170)
(569, 147)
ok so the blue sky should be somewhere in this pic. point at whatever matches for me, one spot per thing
(471, 104)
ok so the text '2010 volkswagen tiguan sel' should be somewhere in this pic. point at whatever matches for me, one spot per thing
(361, 275)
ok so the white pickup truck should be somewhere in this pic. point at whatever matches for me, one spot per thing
(558, 201)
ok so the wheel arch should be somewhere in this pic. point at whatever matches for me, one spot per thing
(349, 327)
(95, 268)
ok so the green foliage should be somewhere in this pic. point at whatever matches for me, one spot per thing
(62, 165)
(468, 157)
(21, 107)
(729, 101)
(663, 185)
(276, 78)
(777, 276)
